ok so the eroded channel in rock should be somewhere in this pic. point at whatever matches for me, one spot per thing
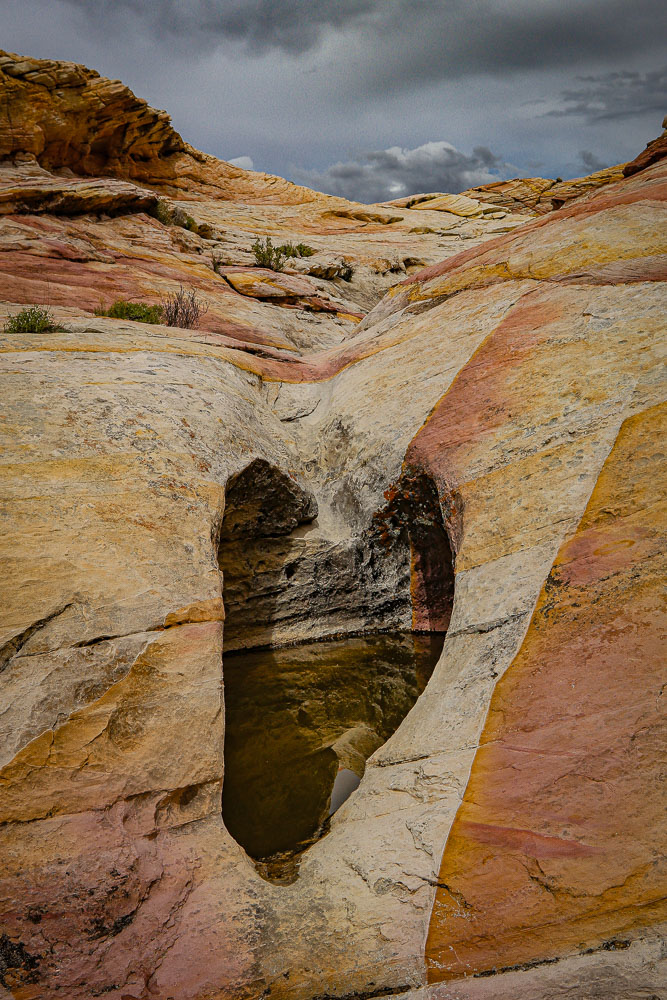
(302, 716)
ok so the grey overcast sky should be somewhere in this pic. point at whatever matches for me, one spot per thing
(374, 99)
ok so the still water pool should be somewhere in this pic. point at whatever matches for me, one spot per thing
(300, 723)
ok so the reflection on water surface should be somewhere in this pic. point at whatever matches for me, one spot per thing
(301, 722)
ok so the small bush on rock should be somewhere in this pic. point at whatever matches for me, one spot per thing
(172, 215)
(32, 319)
(137, 311)
(183, 309)
(298, 250)
(266, 255)
(185, 221)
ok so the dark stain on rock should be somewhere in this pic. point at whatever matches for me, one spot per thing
(17, 965)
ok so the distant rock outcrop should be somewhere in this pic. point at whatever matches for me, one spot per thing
(498, 413)
(456, 204)
(31, 190)
(655, 151)
(539, 195)
(66, 116)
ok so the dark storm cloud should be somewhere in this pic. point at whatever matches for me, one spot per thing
(591, 162)
(615, 95)
(445, 41)
(408, 41)
(291, 25)
(305, 84)
(385, 174)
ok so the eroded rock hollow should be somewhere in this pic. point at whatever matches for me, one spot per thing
(302, 720)
(446, 419)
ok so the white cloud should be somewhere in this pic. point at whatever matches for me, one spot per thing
(245, 162)
(384, 174)
(619, 94)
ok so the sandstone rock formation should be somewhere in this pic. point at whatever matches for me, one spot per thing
(31, 190)
(81, 242)
(539, 195)
(499, 409)
(456, 204)
(655, 151)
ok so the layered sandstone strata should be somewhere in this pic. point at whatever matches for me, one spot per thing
(506, 399)
(655, 151)
(540, 195)
(81, 241)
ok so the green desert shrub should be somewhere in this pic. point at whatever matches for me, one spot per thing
(32, 319)
(172, 215)
(298, 250)
(185, 221)
(304, 250)
(138, 311)
(266, 255)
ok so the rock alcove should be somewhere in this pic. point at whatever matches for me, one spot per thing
(309, 695)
